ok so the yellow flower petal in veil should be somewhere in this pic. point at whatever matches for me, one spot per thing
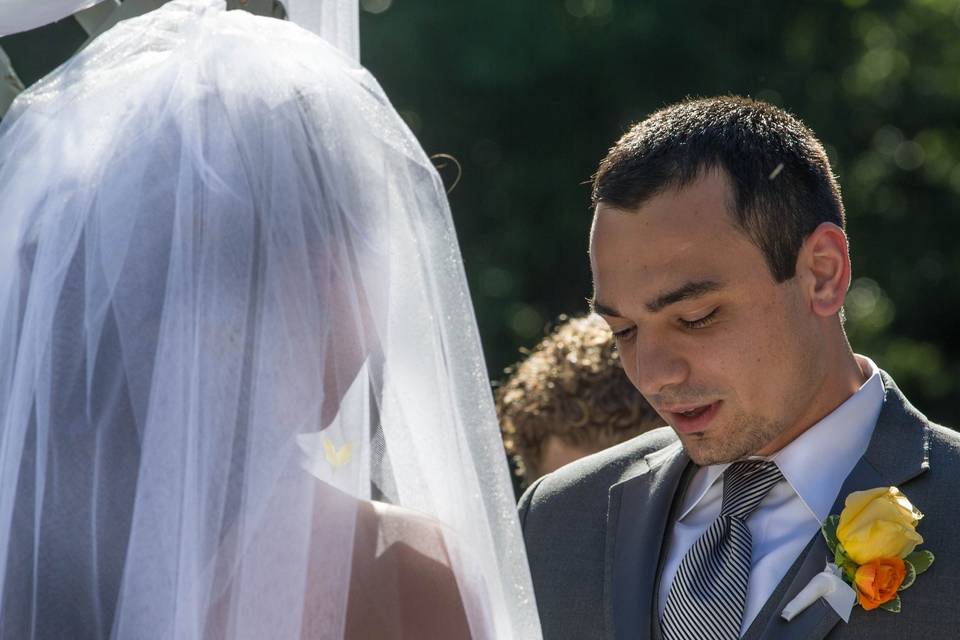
(337, 457)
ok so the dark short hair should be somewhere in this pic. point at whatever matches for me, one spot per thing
(779, 173)
(571, 386)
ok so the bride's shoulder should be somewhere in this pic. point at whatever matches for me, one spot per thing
(402, 577)
(385, 526)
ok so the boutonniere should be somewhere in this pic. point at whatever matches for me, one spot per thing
(874, 544)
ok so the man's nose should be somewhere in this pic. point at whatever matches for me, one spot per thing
(658, 366)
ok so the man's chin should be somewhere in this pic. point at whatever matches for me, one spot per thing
(705, 456)
(706, 449)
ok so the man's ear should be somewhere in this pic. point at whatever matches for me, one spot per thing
(823, 266)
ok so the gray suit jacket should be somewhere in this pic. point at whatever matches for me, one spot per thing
(595, 530)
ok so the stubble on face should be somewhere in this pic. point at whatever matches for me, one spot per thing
(749, 435)
(742, 434)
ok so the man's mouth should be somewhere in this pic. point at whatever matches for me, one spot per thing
(692, 418)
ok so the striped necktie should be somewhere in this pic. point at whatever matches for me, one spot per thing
(708, 594)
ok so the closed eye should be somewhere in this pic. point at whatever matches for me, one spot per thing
(701, 322)
(624, 334)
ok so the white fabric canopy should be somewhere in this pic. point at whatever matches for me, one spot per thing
(23, 15)
(337, 21)
(241, 387)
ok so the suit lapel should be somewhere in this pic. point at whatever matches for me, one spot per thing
(897, 453)
(638, 512)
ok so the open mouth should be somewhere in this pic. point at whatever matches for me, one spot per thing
(694, 419)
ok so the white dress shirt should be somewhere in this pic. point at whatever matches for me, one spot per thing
(814, 467)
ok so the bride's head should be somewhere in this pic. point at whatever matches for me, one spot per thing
(233, 225)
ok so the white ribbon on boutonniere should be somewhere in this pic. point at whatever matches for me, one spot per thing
(829, 585)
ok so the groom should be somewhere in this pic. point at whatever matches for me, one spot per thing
(721, 264)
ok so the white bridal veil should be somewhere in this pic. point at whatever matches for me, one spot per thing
(241, 387)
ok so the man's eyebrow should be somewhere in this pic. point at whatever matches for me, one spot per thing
(690, 290)
(602, 309)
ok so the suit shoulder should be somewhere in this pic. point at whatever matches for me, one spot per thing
(597, 472)
(943, 446)
(945, 437)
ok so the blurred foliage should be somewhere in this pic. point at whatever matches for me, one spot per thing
(528, 96)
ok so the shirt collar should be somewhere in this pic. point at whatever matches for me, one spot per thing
(831, 448)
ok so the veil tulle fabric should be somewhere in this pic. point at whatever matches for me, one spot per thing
(234, 326)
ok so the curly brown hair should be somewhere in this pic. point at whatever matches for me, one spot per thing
(571, 386)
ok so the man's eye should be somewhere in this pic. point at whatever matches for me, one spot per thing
(624, 334)
(699, 323)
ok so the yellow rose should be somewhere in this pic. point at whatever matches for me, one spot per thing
(878, 523)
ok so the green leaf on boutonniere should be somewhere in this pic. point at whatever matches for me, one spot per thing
(893, 606)
(842, 560)
(839, 556)
(910, 577)
(829, 530)
(921, 560)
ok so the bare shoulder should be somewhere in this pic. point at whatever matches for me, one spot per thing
(415, 531)
(403, 584)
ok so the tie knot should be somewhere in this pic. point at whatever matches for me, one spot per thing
(745, 485)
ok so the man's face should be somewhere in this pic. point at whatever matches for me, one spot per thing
(726, 356)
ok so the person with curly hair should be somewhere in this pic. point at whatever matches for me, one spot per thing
(569, 398)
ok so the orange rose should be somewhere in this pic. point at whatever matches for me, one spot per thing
(878, 580)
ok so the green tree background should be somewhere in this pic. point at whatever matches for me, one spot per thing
(529, 95)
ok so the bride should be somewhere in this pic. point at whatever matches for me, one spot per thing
(241, 388)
